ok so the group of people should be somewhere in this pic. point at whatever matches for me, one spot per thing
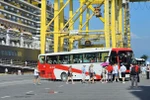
(145, 69)
(107, 73)
(84, 73)
(110, 73)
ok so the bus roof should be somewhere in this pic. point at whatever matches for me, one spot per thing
(77, 51)
(122, 49)
(86, 50)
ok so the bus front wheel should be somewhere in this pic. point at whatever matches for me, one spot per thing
(63, 76)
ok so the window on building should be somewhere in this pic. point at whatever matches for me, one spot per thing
(9, 16)
(17, 11)
(18, 18)
(5, 14)
(6, 7)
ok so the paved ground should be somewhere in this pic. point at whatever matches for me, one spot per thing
(14, 87)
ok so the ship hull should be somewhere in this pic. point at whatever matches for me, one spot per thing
(22, 55)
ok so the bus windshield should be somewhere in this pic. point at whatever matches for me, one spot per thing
(125, 57)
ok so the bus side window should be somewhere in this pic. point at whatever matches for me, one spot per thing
(89, 58)
(77, 58)
(48, 60)
(42, 59)
(53, 59)
(71, 59)
(64, 59)
(98, 57)
(104, 56)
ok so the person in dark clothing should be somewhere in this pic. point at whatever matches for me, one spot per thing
(70, 75)
(147, 71)
(134, 74)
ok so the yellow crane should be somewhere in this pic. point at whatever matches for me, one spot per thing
(115, 12)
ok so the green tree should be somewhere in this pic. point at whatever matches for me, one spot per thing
(144, 56)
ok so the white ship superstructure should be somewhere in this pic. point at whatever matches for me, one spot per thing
(20, 23)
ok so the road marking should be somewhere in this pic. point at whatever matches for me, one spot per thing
(61, 86)
(22, 81)
(5, 97)
(15, 82)
(29, 92)
(47, 88)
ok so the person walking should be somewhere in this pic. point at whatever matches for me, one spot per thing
(147, 71)
(70, 75)
(123, 72)
(143, 69)
(91, 73)
(36, 76)
(83, 73)
(104, 75)
(134, 70)
(6, 71)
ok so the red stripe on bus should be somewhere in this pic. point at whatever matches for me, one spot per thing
(49, 70)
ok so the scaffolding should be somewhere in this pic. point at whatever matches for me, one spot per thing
(115, 17)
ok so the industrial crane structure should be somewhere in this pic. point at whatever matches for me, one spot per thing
(115, 17)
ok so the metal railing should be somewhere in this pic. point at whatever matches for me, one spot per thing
(18, 63)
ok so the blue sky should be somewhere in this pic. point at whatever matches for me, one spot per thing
(140, 26)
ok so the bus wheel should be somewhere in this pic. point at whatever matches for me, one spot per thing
(63, 76)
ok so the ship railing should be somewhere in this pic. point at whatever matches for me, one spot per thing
(2, 34)
(28, 41)
(17, 63)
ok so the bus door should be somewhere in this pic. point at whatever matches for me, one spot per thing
(125, 57)
(113, 57)
(41, 65)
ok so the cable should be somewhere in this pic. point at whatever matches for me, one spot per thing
(136, 7)
(142, 8)
(147, 6)
(131, 4)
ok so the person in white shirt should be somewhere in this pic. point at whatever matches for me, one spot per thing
(123, 72)
(6, 71)
(143, 69)
(83, 73)
(36, 76)
(116, 72)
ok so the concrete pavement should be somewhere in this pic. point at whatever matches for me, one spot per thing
(22, 88)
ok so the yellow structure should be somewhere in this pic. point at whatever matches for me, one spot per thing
(116, 20)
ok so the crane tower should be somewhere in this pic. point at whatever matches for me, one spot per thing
(115, 17)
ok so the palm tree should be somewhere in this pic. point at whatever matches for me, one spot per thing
(144, 56)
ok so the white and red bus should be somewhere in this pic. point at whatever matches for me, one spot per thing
(55, 65)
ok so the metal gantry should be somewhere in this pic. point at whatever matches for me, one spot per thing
(116, 32)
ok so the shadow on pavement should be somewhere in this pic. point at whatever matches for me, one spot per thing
(142, 92)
